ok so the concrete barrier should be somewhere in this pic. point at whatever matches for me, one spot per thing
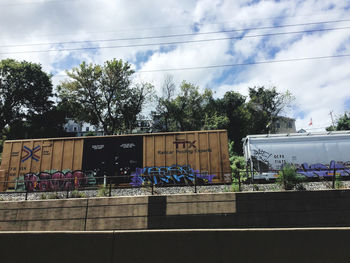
(2, 180)
(193, 211)
(231, 245)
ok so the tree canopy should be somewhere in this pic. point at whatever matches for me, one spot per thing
(105, 95)
(342, 123)
(191, 109)
(26, 101)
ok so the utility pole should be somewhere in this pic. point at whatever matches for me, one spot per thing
(331, 113)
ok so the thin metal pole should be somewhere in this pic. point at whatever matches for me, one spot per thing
(195, 183)
(333, 179)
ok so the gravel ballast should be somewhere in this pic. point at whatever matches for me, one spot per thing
(309, 186)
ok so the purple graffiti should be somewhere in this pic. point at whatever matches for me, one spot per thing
(320, 170)
(175, 174)
(56, 181)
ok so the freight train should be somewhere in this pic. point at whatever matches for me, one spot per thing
(157, 158)
(315, 155)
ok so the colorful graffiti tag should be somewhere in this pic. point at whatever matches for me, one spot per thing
(319, 170)
(55, 181)
(30, 153)
(169, 175)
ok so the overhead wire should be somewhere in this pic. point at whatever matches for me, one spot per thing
(39, 2)
(171, 43)
(176, 35)
(236, 65)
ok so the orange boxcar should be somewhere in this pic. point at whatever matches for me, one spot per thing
(157, 155)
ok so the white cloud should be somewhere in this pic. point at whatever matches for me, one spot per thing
(318, 85)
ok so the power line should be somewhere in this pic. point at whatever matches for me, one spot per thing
(247, 63)
(40, 2)
(222, 23)
(177, 35)
(172, 43)
(238, 65)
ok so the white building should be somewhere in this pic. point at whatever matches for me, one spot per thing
(81, 129)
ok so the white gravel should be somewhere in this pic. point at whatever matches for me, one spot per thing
(309, 186)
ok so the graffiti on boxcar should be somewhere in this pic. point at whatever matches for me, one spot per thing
(318, 170)
(169, 175)
(30, 153)
(56, 181)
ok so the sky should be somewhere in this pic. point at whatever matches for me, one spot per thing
(300, 46)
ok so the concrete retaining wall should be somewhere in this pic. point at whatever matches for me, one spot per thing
(254, 245)
(224, 210)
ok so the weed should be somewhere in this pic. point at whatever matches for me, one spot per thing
(103, 191)
(77, 194)
(338, 184)
(226, 189)
(256, 187)
(54, 195)
(235, 185)
(288, 178)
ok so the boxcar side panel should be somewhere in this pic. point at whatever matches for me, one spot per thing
(68, 153)
(169, 151)
(34, 156)
(47, 156)
(35, 166)
(57, 154)
(203, 155)
(113, 156)
(78, 154)
(192, 153)
(225, 156)
(214, 155)
(205, 152)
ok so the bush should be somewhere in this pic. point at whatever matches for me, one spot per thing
(235, 185)
(103, 191)
(338, 184)
(289, 179)
(54, 195)
(77, 194)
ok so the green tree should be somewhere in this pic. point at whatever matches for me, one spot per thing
(343, 123)
(105, 95)
(265, 106)
(162, 115)
(185, 112)
(234, 107)
(25, 100)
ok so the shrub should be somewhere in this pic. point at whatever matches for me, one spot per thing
(289, 179)
(54, 195)
(338, 184)
(77, 194)
(103, 191)
(235, 185)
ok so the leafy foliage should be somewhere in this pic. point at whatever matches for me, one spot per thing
(105, 96)
(103, 191)
(77, 194)
(185, 112)
(343, 123)
(265, 106)
(26, 108)
(289, 179)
